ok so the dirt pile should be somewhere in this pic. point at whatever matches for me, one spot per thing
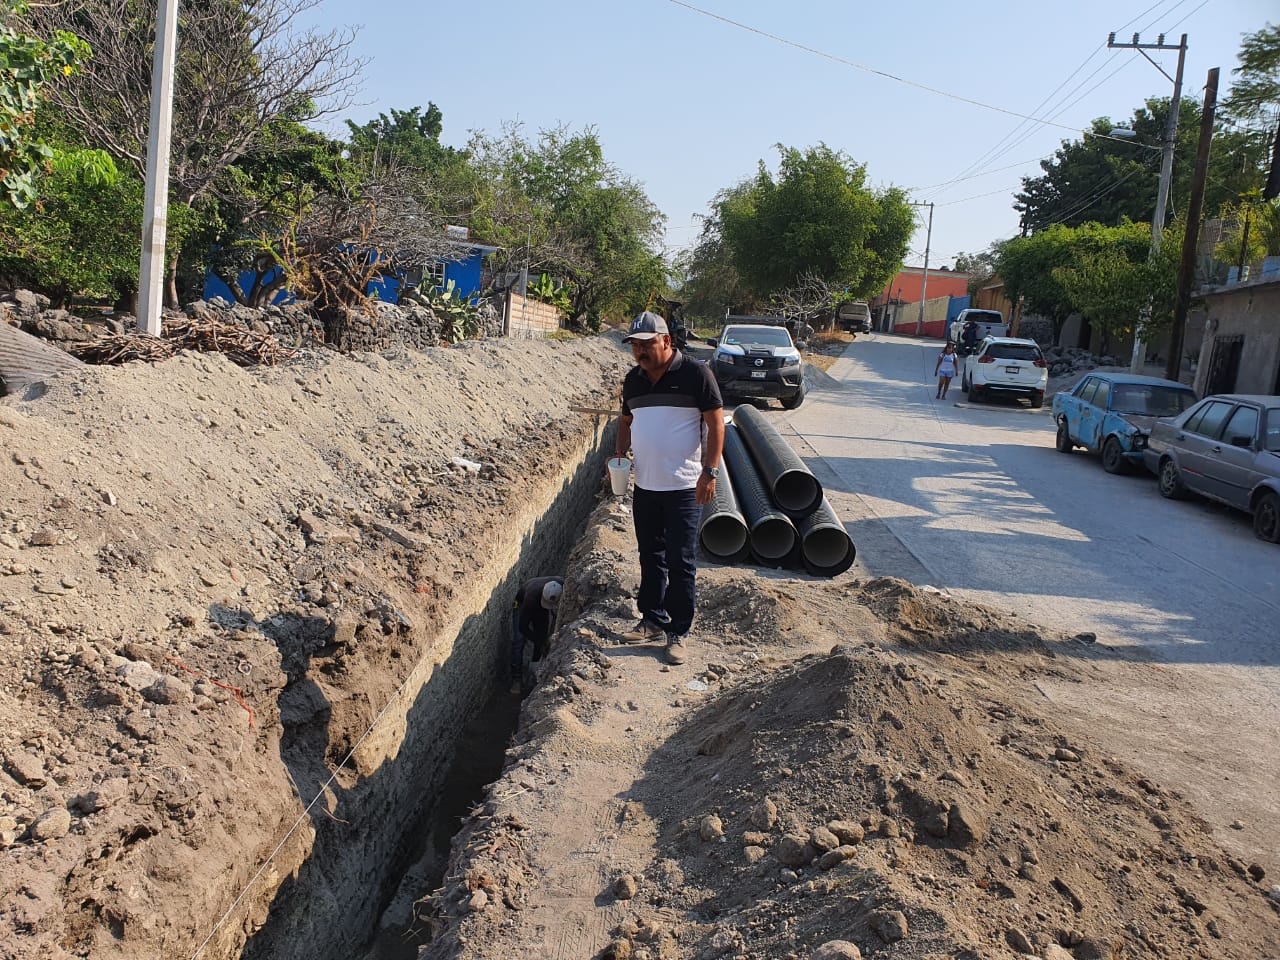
(214, 582)
(861, 768)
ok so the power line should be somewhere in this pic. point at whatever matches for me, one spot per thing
(860, 66)
(996, 151)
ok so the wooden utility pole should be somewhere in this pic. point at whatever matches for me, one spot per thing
(155, 213)
(1187, 268)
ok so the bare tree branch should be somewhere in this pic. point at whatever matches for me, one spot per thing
(242, 64)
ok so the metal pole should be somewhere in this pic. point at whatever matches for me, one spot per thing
(155, 217)
(1187, 267)
(924, 281)
(1137, 360)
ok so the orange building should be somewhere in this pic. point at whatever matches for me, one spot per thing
(907, 286)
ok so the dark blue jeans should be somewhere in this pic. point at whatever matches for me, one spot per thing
(667, 535)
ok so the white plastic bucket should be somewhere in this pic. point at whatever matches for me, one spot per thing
(619, 475)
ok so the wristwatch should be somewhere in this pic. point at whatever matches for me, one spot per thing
(712, 472)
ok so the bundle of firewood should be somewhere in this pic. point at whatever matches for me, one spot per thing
(241, 346)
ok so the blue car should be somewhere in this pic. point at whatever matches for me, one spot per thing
(1112, 414)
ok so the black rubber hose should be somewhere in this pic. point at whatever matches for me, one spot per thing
(795, 490)
(723, 530)
(826, 549)
(772, 534)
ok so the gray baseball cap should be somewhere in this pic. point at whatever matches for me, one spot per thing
(646, 327)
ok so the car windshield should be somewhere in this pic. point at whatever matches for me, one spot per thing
(1273, 429)
(985, 317)
(1014, 351)
(1146, 400)
(756, 337)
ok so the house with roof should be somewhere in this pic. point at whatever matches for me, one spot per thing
(463, 266)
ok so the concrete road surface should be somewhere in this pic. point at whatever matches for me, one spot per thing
(974, 499)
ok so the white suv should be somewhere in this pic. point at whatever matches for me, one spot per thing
(1006, 365)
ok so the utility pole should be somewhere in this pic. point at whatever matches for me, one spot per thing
(1136, 362)
(924, 282)
(155, 213)
(1187, 268)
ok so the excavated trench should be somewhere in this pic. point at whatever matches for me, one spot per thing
(385, 844)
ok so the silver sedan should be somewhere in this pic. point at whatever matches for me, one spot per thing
(1226, 448)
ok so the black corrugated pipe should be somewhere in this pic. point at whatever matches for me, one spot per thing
(795, 490)
(723, 530)
(773, 536)
(826, 549)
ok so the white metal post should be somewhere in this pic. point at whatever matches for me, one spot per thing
(155, 215)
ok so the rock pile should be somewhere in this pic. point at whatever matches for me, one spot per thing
(1064, 360)
(388, 327)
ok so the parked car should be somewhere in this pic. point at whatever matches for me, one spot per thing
(854, 316)
(757, 361)
(1006, 365)
(1112, 414)
(1226, 448)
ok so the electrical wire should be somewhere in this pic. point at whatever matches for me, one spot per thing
(860, 66)
(1007, 143)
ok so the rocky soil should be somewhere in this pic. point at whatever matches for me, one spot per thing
(857, 768)
(196, 557)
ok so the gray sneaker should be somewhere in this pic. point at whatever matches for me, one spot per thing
(676, 650)
(644, 632)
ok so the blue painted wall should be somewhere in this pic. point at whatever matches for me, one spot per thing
(954, 307)
(464, 273)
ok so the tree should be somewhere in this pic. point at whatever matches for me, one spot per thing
(555, 205)
(1112, 280)
(708, 282)
(1032, 266)
(981, 267)
(1256, 91)
(817, 218)
(27, 67)
(241, 65)
(1098, 179)
(83, 237)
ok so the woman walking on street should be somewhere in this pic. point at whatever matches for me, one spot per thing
(945, 369)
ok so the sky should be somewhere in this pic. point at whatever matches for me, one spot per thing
(688, 104)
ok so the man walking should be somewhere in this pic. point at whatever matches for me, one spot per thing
(673, 421)
(532, 620)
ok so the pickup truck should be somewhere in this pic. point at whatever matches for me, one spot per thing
(990, 323)
(758, 360)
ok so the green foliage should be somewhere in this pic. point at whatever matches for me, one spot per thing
(27, 65)
(408, 138)
(84, 237)
(817, 218)
(1052, 268)
(555, 205)
(1253, 228)
(1101, 180)
(548, 291)
(1111, 280)
(460, 319)
(1255, 93)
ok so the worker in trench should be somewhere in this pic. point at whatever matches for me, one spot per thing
(533, 618)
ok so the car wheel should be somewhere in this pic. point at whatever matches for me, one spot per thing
(1063, 440)
(1266, 518)
(1113, 460)
(1171, 485)
(793, 401)
(1037, 400)
(975, 393)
